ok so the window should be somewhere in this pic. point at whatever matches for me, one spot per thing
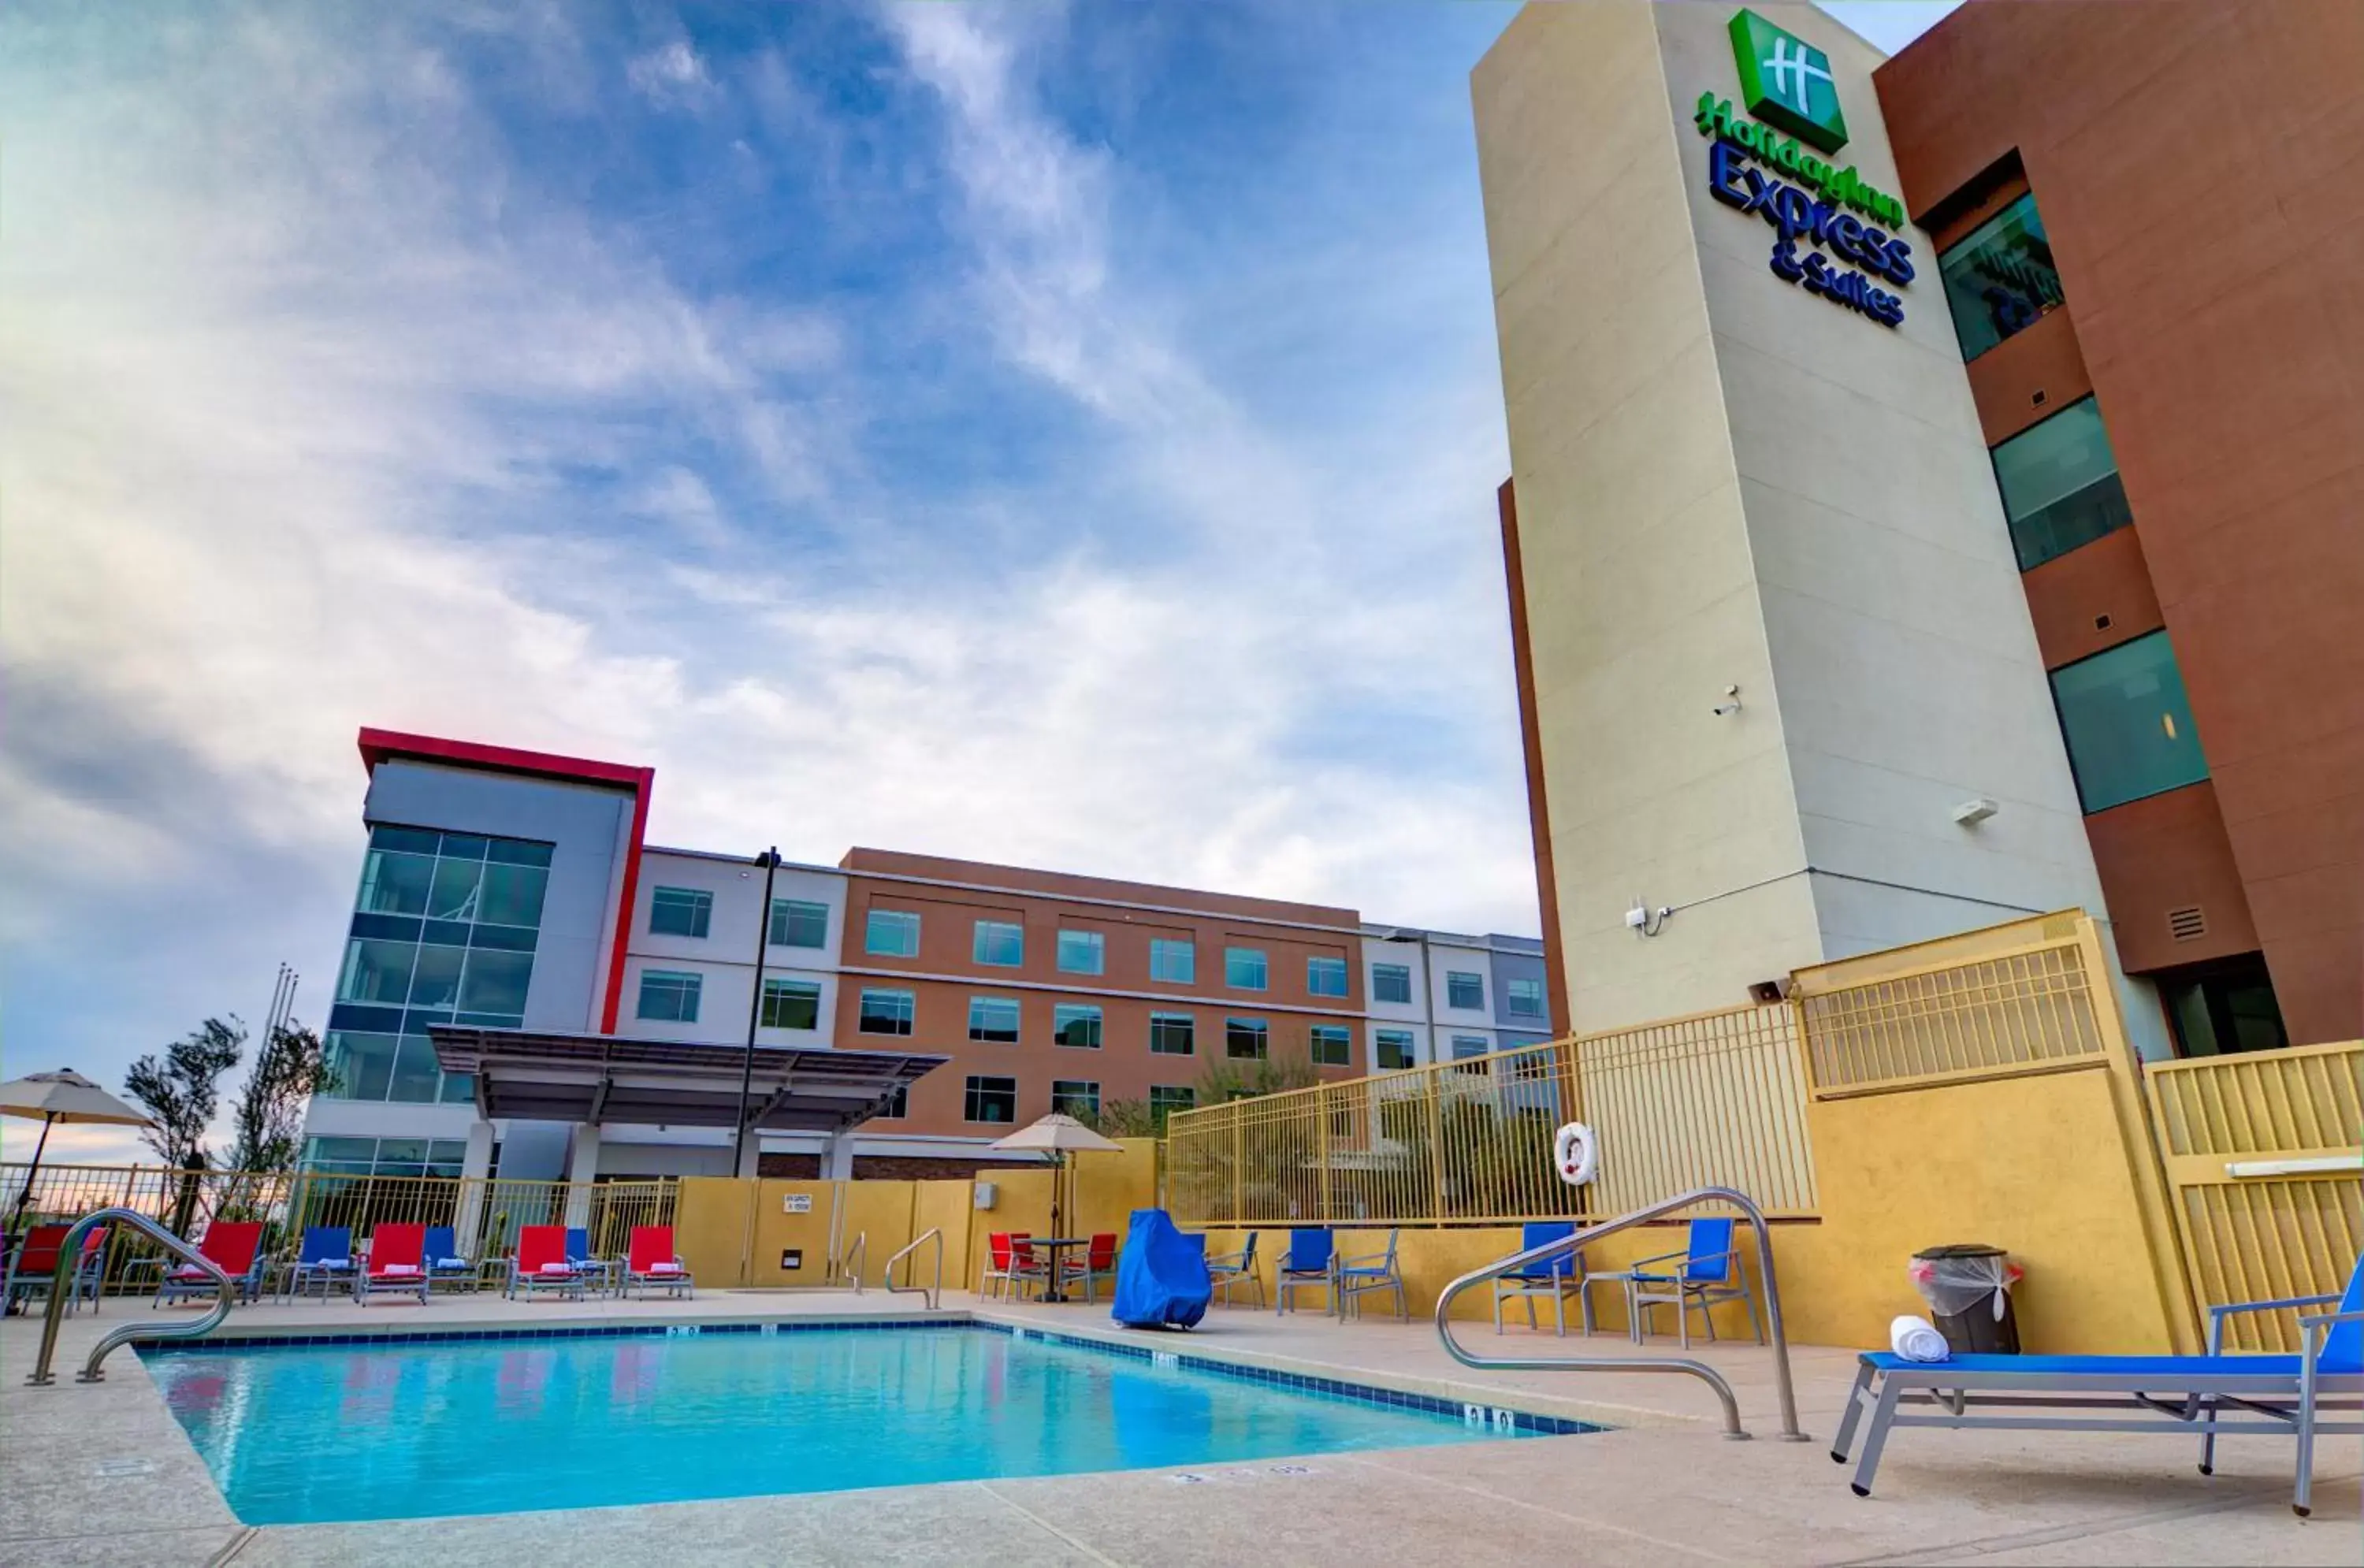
(1333, 1045)
(673, 911)
(669, 997)
(1164, 1099)
(1173, 1034)
(443, 932)
(1078, 1098)
(1465, 1046)
(1175, 963)
(1326, 976)
(2060, 484)
(885, 1012)
(2223, 1006)
(1394, 1048)
(1000, 943)
(991, 1100)
(1523, 999)
(1076, 1025)
(2127, 723)
(796, 924)
(378, 972)
(898, 1104)
(993, 1019)
(1244, 1038)
(1082, 952)
(1244, 969)
(1391, 983)
(791, 1005)
(386, 1156)
(891, 933)
(1463, 989)
(360, 1065)
(2000, 280)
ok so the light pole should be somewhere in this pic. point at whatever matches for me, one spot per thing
(770, 860)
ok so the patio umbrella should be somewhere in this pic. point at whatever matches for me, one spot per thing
(1057, 1135)
(61, 1095)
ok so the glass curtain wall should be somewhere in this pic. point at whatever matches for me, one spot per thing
(443, 932)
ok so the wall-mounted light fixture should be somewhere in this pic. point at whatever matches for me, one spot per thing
(1970, 813)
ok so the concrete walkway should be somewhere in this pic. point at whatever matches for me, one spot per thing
(103, 1473)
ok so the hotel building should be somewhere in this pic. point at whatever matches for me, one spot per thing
(507, 903)
(1938, 494)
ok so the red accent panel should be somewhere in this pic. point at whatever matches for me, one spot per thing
(378, 745)
(624, 900)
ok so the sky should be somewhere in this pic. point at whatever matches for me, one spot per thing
(1063, 435)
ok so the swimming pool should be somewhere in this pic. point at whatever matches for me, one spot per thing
(319, 1434)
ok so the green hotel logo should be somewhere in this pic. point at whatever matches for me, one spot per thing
(1786, 81)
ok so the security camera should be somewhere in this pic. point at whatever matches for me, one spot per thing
(1730, 705)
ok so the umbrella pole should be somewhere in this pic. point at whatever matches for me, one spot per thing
(32, 1170)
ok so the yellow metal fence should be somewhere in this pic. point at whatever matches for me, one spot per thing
(1714, 1100)
(485, 1214)
(1719, 1098)
(1469, 1139)
(2263, 1160)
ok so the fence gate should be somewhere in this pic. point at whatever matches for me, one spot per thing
(2267, 1177)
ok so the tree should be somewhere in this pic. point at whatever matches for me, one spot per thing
(269, 1115)
(1224, 1081)
(1124, 1118)
(180, 1091)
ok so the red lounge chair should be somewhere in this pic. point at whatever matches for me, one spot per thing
(34, 1265)
(542, 1263)
(397, 1264)
(233, 1246)
(652, 1264)
(1098, 1262)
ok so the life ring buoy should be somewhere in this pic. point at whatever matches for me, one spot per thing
(1577, 1153)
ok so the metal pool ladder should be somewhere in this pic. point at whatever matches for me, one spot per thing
(932, 1293)
(69, 1254)
(1584, 1238)
(849, 1266)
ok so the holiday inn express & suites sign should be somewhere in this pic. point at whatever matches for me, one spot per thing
(1787, 84)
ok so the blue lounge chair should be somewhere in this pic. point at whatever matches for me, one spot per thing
(1308, 1264)
(600, 1271)
(1226, 1270)
(1558, 1278)
(1711, 1274)
(326, 1259)
(1358, 1277)
(2210, 1395)
(444, 1264)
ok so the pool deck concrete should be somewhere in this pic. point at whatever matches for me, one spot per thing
(102, 1474)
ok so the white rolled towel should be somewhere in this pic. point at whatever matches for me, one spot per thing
(1917, 1340)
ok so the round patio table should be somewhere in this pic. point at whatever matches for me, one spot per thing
(1052, 1246)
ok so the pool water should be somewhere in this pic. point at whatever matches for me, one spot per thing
(315, 1434)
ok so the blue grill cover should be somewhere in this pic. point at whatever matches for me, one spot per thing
(1161, 1280)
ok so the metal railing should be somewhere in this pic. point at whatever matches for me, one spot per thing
(61, 1288)
(1682, 1365)
(486, 1214)
(2027, 1009)
(849, 1267)
(1714, 1100)
(933, 1295)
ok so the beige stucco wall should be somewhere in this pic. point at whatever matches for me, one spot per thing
(1726, 481)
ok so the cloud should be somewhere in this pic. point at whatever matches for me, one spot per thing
(672, 74)
(367, 375)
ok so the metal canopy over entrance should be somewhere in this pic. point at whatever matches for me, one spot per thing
(594, 1078)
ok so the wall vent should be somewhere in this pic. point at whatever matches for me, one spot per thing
(2101, 623)
(2187, 925)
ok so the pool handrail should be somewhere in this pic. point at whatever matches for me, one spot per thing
(933, 1295)
(70, 1256)
(1584, 1236)
(849, 1264)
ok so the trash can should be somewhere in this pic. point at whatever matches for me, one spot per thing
(1967, 1288)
